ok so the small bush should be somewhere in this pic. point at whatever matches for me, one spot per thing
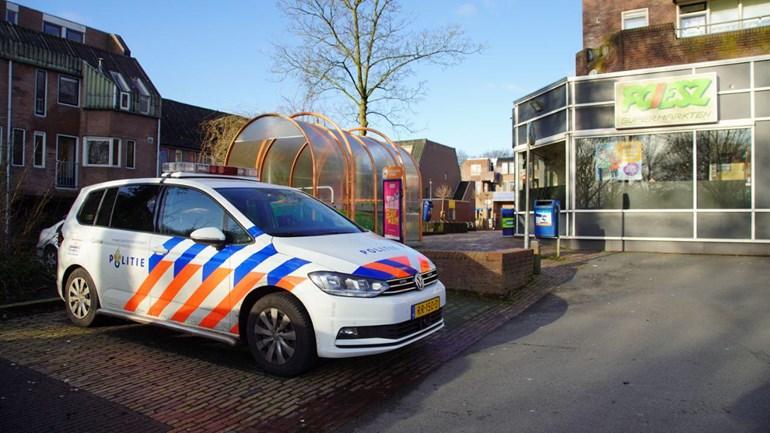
(24, 278)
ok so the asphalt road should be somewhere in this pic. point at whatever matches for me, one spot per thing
(634, 343)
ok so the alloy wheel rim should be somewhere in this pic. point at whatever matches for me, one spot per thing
(275, 335)
(79, 298)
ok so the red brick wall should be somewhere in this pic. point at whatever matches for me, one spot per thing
(187, 155)
(486, 272)
(59, 119)
(30, 19)
(73, 121)
(33, 20)
(104, 123)
(602, 18)
(658, 46)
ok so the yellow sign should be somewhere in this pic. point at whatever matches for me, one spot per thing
(729, 171)
(392, 172)
(451, 204)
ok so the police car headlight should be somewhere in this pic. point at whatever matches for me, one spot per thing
(335, 283)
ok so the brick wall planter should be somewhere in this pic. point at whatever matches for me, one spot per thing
(497, 273)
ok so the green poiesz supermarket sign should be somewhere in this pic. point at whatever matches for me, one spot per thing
(680, 100)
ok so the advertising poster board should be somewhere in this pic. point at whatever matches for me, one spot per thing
(619, 161)
(391, 194)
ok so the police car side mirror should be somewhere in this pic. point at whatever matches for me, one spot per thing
(208, 235)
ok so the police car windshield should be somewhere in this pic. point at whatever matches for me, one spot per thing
(287, 213)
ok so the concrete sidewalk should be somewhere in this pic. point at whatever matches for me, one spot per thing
(632, 343)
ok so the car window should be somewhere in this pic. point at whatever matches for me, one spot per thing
(186, 210)
(105, 208)
(87, 213)
(135, 208)
(286, 212)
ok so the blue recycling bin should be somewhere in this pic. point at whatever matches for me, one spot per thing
(506, 219)
(547, 219)
(427, 208)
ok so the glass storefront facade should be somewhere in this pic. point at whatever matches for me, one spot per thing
(698, 172)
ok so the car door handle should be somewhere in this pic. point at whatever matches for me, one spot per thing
(97, 241)
(160, 250)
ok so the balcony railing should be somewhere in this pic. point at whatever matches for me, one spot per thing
(722, 26)
(66, 174)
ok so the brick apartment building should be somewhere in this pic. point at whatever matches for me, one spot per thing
(77, 107)
(493, 180)
(634, 34)
(662, 140)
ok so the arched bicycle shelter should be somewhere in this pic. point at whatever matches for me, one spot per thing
(344, 168)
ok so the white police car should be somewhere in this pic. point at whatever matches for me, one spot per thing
(232, 259)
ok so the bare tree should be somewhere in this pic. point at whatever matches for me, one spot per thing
(363, 50)
(497, 153)
(216, 136)
(461, 156)
(443, 192)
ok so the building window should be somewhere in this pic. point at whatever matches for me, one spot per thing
(62, 28)
(648, 171)
(52, 29)
(724, 169)
(12, 13)
(475, 169)
(69, 91)
(144, 96)
(38, 151)
(692, 19)
(74, 35)
(635, 19)
(101, 152)
(130, 153)
(125, 91)
(41, 90)
(717, 16)
(18, 143)
(756, 13)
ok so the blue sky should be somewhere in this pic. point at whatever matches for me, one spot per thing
(218, 55)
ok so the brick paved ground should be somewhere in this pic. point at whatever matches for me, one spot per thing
(58, 404)
(186, 383)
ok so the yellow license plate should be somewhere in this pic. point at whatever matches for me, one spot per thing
(425, 307)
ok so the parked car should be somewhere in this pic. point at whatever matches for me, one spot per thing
(48, 245)
(233, 259)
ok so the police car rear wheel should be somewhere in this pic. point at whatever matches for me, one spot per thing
(280, 335)
(81, 298)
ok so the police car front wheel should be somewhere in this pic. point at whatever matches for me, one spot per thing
(81, 298)
(280, 335)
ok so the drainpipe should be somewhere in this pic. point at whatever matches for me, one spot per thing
(157, 152)
(7, 210)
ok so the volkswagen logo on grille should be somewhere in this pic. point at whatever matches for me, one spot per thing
(419, 282)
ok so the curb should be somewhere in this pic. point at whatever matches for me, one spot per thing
(29, 306)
